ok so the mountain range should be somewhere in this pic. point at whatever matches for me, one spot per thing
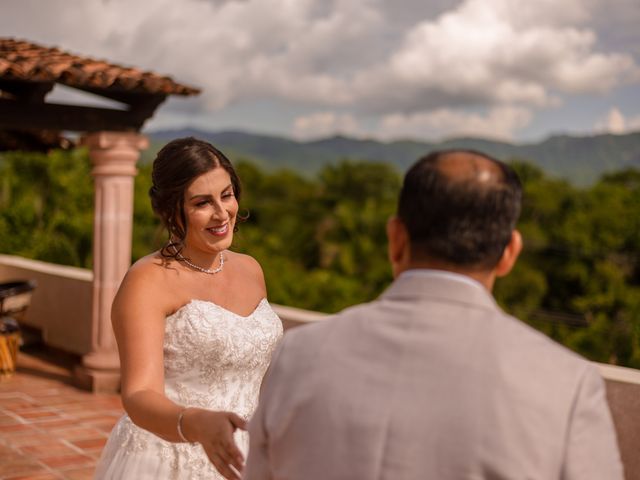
(578, 159)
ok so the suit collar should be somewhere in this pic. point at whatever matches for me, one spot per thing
(438, 285)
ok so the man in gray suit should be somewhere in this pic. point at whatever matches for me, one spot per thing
(432, 380)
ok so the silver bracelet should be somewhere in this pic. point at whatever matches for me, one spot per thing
(180, 434)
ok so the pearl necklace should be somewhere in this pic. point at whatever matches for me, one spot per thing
(209, 271)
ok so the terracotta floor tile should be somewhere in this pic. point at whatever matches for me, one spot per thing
(13, 462)
(8, 420)
(51, 392)
(90, 443)
(102, 414)
(8, 454)
(79, 474)
(94, 454)
(42, 474)
(58, 400)
(57, 424)
(77, 433)
(26, 439)
(51, 430)
(36, 476)
(10, 397)
(54, 447)
(102, 425)
(105, 428)
(15, 428)
(25, 467)
(40, 414)
(18, 404)
(67, 461)
(79, 408)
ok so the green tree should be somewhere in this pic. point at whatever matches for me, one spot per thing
(46, 206)
(322, 243)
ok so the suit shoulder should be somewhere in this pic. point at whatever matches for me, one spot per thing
(546, 352)
(311, 336)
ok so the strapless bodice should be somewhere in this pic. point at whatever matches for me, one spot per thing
(214, 358)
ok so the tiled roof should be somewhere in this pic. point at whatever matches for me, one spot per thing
(21, 60)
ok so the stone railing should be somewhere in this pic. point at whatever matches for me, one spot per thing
(295, 317)
(60, 306)
(623, 395)
(61, 310)
(61, 303)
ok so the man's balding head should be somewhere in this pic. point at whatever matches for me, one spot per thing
(460, 208)
(467, 166)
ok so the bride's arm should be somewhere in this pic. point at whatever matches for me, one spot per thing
(138, 317)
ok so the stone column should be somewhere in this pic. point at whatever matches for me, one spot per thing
(114, 156)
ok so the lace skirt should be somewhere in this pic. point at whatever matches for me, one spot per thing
(136, 454)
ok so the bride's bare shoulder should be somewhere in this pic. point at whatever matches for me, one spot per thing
(153, 276)
(153, 264)
(148, 293)
(248, 272)
(247, 263)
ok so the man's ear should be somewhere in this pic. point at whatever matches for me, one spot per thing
(398, 249)
(510, 255)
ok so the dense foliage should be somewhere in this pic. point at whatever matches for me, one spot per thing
(46, 206)
(322, 244)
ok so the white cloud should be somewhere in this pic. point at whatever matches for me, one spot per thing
(496, 52)
(398, 60)
(498, 123)
(615, 122)
(325, 124)
(481, 52)
(236, 51)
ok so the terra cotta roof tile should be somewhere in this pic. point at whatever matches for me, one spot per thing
(21, 60)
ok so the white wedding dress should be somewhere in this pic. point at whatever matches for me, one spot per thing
(214, 359)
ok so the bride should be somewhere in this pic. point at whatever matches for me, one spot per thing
(194, 330)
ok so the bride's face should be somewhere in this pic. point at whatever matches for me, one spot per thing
(210, 208)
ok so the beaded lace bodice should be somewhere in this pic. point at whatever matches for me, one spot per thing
(214, 359)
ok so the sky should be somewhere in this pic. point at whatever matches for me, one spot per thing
(510, 70)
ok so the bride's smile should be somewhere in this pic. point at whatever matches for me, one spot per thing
(219, 231)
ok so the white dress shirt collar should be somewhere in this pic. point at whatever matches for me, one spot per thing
(430, 272)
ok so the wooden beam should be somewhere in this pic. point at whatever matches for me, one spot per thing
(32, 140)
(32, 92)
(16, 115)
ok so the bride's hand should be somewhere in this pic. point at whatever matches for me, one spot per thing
(214, 431)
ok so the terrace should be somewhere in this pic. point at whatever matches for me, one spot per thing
(51, 428)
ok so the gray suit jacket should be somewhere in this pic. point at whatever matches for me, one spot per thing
(430, 381)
